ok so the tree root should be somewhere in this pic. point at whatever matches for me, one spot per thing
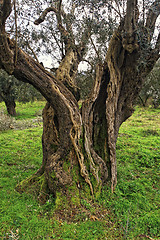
(36, 185)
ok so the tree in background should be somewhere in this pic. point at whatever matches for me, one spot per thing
(79, 145)
(12, 90)
(151, 87)
(7, 94)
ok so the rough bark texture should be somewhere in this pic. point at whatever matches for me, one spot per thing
(79, 146)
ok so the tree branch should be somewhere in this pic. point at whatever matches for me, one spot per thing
(16, 31)
(95, 49)
(67, 21)
(131, 16)
(153, 14)
(157, 47)
(6, 53)
(129, 38)
(85, 60)
(67, 35)
(84, 39)
(5, 10)
(63, 32)
(32, 51)
(60, 5)
(155, 53)
(58, 44)
(117, 11)
(44, 14)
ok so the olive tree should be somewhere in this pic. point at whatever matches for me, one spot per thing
(12, 90)
(79, 145)
(7, 91)
(151, 88)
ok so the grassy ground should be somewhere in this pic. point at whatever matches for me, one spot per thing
(130, 213)
(28, 110)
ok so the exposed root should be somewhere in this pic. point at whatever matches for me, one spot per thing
(37, 185)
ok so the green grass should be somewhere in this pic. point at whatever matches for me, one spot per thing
(136, 199)
(132, 212)
(27, 110)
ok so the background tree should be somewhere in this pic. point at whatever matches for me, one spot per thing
(151, 88)
(7, 93)
(79, 146)
(12, 90)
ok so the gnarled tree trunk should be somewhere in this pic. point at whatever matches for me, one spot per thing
(79, 145)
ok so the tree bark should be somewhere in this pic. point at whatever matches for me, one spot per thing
(11, 107)
(9, 102)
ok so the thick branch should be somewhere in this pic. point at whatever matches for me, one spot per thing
(131, 16)
(129, 38)
(153, 14)
(5, 10)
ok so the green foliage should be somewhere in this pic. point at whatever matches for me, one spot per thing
(130, 212)
(150, 92)
(85, 82)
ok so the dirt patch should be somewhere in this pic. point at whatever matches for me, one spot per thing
(78, 214)
(7, 122)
